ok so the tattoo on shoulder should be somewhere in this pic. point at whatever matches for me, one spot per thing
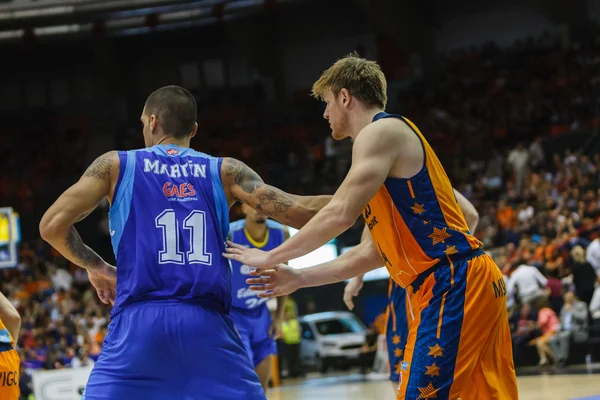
(243, 175)
(101, 167)
(269, 200)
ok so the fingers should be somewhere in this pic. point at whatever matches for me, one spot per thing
(236, 257)
(232, 245)
(349, 302)
(268, 295)
(258, 281)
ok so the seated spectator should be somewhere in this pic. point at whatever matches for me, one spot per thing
(549, 324)
(82, 360)
(524, 328)
(573, 326)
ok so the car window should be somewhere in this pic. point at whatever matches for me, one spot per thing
(338, 326)
(306, 331)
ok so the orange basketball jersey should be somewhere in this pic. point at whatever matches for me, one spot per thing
(416, 222)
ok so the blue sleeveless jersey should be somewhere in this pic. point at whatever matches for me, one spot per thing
(168, 224)
(243, 297)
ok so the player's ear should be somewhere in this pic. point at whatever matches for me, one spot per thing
(195, 130)
(345, 97)
(153, 121)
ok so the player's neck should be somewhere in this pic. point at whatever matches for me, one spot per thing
(362, 119)
(180, 142)
(258, 232)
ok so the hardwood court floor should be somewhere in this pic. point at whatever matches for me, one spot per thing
(355, 387)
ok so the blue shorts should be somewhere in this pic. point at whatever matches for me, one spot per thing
(253, 326)
(172, 350)
(396, 331)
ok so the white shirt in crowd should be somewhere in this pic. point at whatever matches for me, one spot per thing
(592, 255)
(518, 159)
(76, 362)
(527, 279)
(595, 303)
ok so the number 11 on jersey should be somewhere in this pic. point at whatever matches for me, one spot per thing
(195, 222)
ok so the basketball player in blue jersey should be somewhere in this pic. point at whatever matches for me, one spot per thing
(170, 335)
(249, 312)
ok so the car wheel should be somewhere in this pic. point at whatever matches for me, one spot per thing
(322, 364)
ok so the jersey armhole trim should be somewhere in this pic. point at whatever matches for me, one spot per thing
(221, 204)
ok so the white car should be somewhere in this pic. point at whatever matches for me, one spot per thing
(331, 338)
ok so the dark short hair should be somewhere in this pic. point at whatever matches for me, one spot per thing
(175, 109)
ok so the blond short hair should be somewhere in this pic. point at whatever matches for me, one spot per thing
(362, 78)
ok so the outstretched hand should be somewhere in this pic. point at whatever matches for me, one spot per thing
(248, 256)
(279, 281)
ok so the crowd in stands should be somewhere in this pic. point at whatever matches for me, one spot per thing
(539, 207)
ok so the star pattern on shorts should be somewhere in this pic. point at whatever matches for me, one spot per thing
(396, 339)
(450, 250)
(432, 370)
(418, 208)
(398, 367)
(398, 352)
(439, 235)
(428, 392)
(435, 351)
(425, 222)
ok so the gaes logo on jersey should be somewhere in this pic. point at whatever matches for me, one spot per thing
(172, 152)
(181, 191)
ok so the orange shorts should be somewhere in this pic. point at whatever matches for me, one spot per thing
(459, 342)
(9, 374)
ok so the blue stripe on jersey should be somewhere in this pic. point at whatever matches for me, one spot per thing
(219, 193)
(4, 336)
(119, 211)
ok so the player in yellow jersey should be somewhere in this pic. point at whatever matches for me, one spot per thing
(459, 341)
(10, 323)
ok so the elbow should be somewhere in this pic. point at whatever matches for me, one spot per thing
(472, 220)
(13, 318)
(49, 230)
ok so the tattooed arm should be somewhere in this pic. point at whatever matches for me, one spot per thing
(242, 184)
(76, 203)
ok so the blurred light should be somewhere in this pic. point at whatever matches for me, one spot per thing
(177, 15)
(37, 12)
(56, 30)
(5, 35)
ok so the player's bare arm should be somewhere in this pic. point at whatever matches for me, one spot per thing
(355, 285)
(57, 226)
(374, 153)
(10, 317)
(283, 280)
(276, 326)
(470, 213)
(241, 183)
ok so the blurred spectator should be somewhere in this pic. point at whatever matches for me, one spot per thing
(584, 276)
(292, 334)
(573, 326)
(528, 282)
(549, 324)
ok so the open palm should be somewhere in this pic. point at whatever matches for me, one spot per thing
(279, 281)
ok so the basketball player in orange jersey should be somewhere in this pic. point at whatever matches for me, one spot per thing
(459, 341)
(10, 323)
